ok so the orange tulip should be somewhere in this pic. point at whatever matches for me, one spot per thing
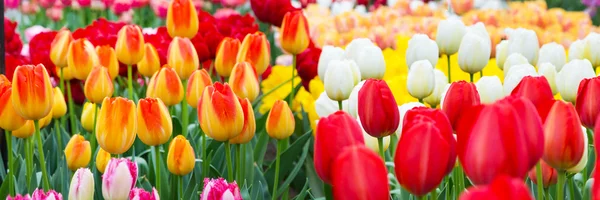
(98, 85)
(150, 63)
(249, 124)
(280, 122)
(25, 131)
(182, 57)
(59, 48)
(102, 158)
(166, 85)
(82, 58)
(154, 122)
(195, 86)
(116, 125)
(182, 19)
(108, 59)
(78, 152)
(180, 159)
(226, 55)
(9, 119)
(32, 96)
(255, 50)
(294, 32)
(244, 81)
(220, 113)
(130, 45)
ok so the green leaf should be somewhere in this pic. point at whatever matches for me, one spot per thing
(287, 159)
(4, 189)
(303, 192)
(177, 126)
(191, 192)
(315, 183)
(261, 147)
(295, 171)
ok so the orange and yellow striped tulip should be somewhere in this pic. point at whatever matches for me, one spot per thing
(226, 55)
(87, 116)
(59, 48)
(294, 32)
(182, 19)
(280, 122)
(102, 158)
(98, 85)
(180, 159)
(195, 86)
(116, 125)
(67, 73)
(82, 57)
(219, 112)
(154, 122)
(78, 152)
(32, 96)
(249, 124)
(9, 119)
(166, 85)
(59, 106)
(182, 57)
(108, 59)
(130, 45)
(255, 50)
(25, 131)
(244, 81)
(150, 63)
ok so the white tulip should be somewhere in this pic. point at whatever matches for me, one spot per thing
(340, 79)
(402, 110)
(353, 100)
(584, 157)
(592, 48)
(474, 53)
(489, 89)
(515, 75)
(371, 63)
(553, 53)
(339, 7)
(549, 71)
(501, 53)
(324, 3)
(325, 106)
(421, 79)
(82, 185)
(512, 60)
(372, 142)
(568, 79)
(576, 50)
(354, 48)
(480, 30)
(420, 47)
(449, 35)
(328, 54)
(525, 42)
(441, 81)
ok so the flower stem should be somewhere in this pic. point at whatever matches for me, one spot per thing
(380, 145)
(420, 100)
(205, 163)
(540, 183)
(93, 136)
(180, 192)
(560, 185)
(11, 182)
(130, 82)
(41, 155)
(229, 167)
(58, 136)
(291, 100)
(471, 77)
(340, 105)
(571, 189)
(238, 163)
(62, 89)
(157, 167)
(243, 164)
(449, 69)
(280, 143)
(328, 191)
(434, 194)
(184, 111)
(481, 73)
(71, 111)
(29, 161)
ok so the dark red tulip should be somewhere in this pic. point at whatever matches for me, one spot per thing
(565, 144)
(503, 187)
(588, 101)
(359, 174)
(307, 64)
(459, 98)
(12, 40)
(549, 175)
(271, 11)
(538, 91)
(378, 112)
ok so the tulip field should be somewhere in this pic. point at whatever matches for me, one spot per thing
(309, 99)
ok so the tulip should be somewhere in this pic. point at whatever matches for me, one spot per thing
(59, 48)
(503, 187)
(32, 96)
(180, 159)
(370, 61)
(102, 159)
(226, 54)
(9, 119)
(553, 53)
(220, 189)
(596, 188)
(39, 194)
(46, 120)
(473, 53)
(365, 167)
(154, 122)
(538, 91)
(59, 107)
(130, 45)
(119, 178)
(81, 58)
(449, 35)
(150, 63)
(220, 113)
(377, 102)
(373, 142)
(82, 185)
(402, 110)
(342, 76)
(294, 32)
(489, 89)
(98, 85)
(249, 128)
(568, 80)
(280, 122)
(324, 106)
(66, 73)
(182, 19)
(141, 194)
(108, 59)
(244, 81)
(166, 85)
(549, 71)
(195, 86)
(420, 47)
(513, 60)
(501, 53)
(577, 50)
(24, 131)
(587, 103)
(515, 75)
(78, 152)
(592, 48)
(182, 57)
(255, 50)
(421, 79)
(549, 175)
(87, 116)
(19, 197)
(116, 125)
(523, 41)
(565, 144)
(328, 54)
(460, 97)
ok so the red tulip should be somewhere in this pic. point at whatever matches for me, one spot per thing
(596, 187)
(538, 91)
(378, 112)
(334, 133)
(12, 40)
(459, 98)
(271, 11)
(549, 175)
(565, 144)
(503, 187)
(588, 101)
(39, 51)
(101, 32)
(359, 174)
(426, 151)
(307, 64)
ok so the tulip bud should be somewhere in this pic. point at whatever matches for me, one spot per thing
(150, 63)
(474, 53)
(370, 61)
(255, 49)
(67, 73)
(182, 57)
(82, 185)
(501, 53)
(180, 159)
(280, 122)
(328, 54)
(565, 144)
(553, 53)
(119, 178)
(324, 106)
(592, 48)
(363, 164)
(377, 102)
(195, 86)
(294, 31)
(538, 91)
(449, 35)
(489, 89)
(78, 152)
(182, 19)
(440, 86)
(549, 71)
(523, 41)
(503, 187)
(513, 60)
(226, 54)
(9, 119)
(141, 194)
(108, 60)
(102, 159)
(154, 122)
(130, 45)
(577, 50)
(32, 96)
(249, 124)
(220, 189)
(515, 75)
(166, 85)
(116, 125)
(59, 107)
(39, 194)
(59, 48)
(567, 80)
(421, 79)
(342, 76)
(81, 58)
(587, 105)
(87, 116)
(459, 98)
(244, 81)
(220, 113)
(549, 175)
(98, 85)
(420, 47)
(25, 131)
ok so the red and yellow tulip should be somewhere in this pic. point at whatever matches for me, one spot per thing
(98, 85)
(154, 122)
(182, 57)
(130, 45)
(82, 57)
(280, 122)
(108, 59)
(116, 125)
(166, 85)
(78, 152)
(181, 158)
(32, 96)
(220, 113)
(255, 50)
(182, 19)
(244, 81)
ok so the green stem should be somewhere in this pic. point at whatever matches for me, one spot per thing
(481, 73)
(228, 156)
(540, 183)
(328, 191)
(157, 167)
(424, 197)
(420, 100)
(340, 105)
(571, 189)
(130, 82)
(560, 185)
(291, 100)
(380, 145)
(11, 182)
(547, 193)
(447, 192)
(449, 69)
(434, 194)
(471, 77)
(184, 111)
(180, 193)
(280, 143)
(71, 111)
(93, 136)
(238, 162)
(41, 155)
(242, 164)
(62, 89)
(205, 163)
(29, 161)
(461, 179)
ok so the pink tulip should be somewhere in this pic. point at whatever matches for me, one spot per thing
(232, 3)
(220, 189)
(39, 194)
(119, 178)
(121, 6)
(34, 30)
(141, 194)
(19, 197)
(223, 13)
(11, 4)
(160, 8)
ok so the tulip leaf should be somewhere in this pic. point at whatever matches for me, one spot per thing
(295, 171)
(191, 191)
(261, 147)
(4, 188)
(287, 159)
(2, 169)
(304, 192)
(314, 182)
(177, 127)
(260, 190)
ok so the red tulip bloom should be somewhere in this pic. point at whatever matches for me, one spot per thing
(307, 64)
(101, 32)
(12, 40)
(596, 187)
(39, 51)
(334, 133)
(588, 101)
(549, 175)
(271, 11)
(11, 62)
(565, 144)
(503, 187)
(378, 111)
(359, 174)
(161, 41)
(459, 98)
(538, 91)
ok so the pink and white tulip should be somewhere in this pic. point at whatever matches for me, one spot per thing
(119, 178)
(215, 189)
(141, 194)
(82, 185)
(39, 194)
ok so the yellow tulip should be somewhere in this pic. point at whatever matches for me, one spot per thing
(166, 85)
(87, 116)
(59, 48)
(280, 122)
(59, 108)
(195, 86)
(98, 85)
(116, 125)
(244, 81)
(102, 159)
(78, 152)
(9, 119)
(180, 159)
(150, 63)
(130, 45)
